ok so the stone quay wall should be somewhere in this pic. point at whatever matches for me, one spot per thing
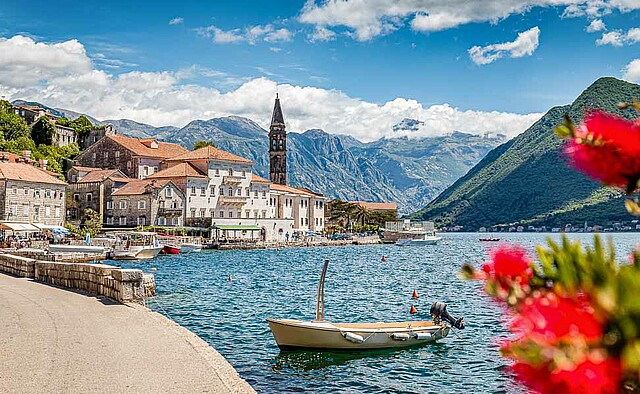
(122, 285)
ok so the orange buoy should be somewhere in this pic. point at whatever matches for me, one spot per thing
(229, 278)
(413, 310)
(384, 258)
(415, 294)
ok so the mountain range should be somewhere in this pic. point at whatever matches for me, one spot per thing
(527, 180)
(410, 171)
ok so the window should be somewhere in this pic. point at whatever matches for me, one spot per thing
(174, 221)
(26, 190)
(212, 191)
(25, 209)
(57, 212)
(230, 191)
(142, 204)
(142, 221)
(155, 169)
(93, 156)
(109, 219)
(129, 164)
(244, 174)
(203, 190)
(247, 213)
(174, 204)
(123, 204)
(246, 190)
(239, 192)
(264, 194)
(306, 221)
(162, 221)
(230, 171)
(202, 212)
(193, 190)
(109, 204)
(76, 197)
(168, 192)
(264, 214)
(217, 172)
(145, 169)
(89, 196)
(47, 211)
(117, 155)
(13, 209)
(221, 214)
(122, 221)
(106, 154)
(36, 193)
(230, 214)
(255, 194)
(15, 190)
(221, 191)
(212, 212)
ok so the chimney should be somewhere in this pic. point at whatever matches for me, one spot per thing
(4, 158)
(26, 154)
(43, 163)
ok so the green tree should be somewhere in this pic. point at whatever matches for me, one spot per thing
(91, 222)
(202, 144)
(82, 125)
(5, 106)
(19, 144)
(43, 131)
(12, 126)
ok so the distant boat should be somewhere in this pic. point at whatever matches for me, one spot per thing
(136, 245)
(320, 334)
(191, 247)
(418, 237)
(489, 239)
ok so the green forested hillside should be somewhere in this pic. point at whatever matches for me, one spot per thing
(527, 179)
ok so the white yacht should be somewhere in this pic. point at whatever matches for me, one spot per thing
(136, 245)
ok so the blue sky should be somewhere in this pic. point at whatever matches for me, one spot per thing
(430, 65)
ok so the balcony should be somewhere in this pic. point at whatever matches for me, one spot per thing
(232, 180)
(169, 212)
(229, 200)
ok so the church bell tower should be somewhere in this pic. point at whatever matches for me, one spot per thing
(277, 146)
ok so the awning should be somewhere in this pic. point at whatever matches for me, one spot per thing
(51, 227)
(237, 227)
(15, 226)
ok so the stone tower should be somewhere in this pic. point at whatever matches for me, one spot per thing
(277, 146)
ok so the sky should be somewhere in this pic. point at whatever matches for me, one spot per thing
(353, 67)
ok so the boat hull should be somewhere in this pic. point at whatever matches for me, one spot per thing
(418, 242)
(295, 334)
(142, 254)
(189, 248)
(170, 249)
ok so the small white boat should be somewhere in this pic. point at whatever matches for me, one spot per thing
(320, 334)
(60, 248)
(136, 245)
(190, 248)
(427, 239)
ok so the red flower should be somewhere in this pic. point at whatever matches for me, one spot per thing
(607, 148)
(548, 318)
(592, 376)
(508, 264)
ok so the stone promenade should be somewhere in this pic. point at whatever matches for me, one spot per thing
(60, 341)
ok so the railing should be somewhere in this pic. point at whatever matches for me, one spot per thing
(229, 200)
(232, 180)
(169, 212)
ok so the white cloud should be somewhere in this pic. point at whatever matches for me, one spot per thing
(62, 75)
(596, 25)
(619, 38)
(176, 21)
(251, 34)
(371, 18)
(321, 33)
(632, 71)
(524, 45)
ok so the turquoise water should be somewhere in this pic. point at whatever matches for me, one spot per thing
(193, 290)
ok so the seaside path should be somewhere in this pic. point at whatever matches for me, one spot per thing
(59, 341)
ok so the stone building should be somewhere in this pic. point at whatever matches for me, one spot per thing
(31, 113)
(144, 202)
(94, 135)
(30, 195)
(91, 188)
(136, 158)
(64, 135)
(277, 146)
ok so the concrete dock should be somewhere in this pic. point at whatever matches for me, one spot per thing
(54, 340)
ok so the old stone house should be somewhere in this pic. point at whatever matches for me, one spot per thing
(94, 135)
(136, 158)
(144, 202)
(28, 194)
(91, 188)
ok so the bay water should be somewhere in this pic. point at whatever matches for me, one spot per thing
(194, 291)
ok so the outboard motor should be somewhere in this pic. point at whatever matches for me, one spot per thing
(439, 313)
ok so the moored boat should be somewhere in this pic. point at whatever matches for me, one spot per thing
(320, 334)
(136, 245)
(170, 249)
(489, 239)
(190, 247)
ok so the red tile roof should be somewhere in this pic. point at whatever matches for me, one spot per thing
(179, 171)
(139, 186)
(12, 157)
(210, 152)
(101, 175)
(141, 147)
(377, 206)
(258, 179)
(27, 173)
(85, 169)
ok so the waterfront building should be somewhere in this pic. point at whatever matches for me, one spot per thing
(29, 194)
(92, 188)
(136, 158)
(381, 207)
(145, 202)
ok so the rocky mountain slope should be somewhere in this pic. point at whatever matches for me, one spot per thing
(527, 180)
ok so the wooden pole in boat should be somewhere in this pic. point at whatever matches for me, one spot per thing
(320, 298)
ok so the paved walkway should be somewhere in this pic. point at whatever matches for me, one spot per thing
(59, 341)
